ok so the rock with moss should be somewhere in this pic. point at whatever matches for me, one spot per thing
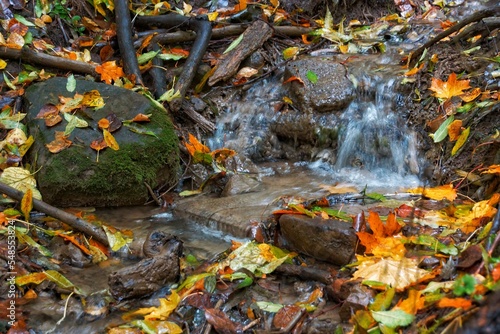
(77, 175)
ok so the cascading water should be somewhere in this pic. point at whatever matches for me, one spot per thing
(373, 146)
(373, 136)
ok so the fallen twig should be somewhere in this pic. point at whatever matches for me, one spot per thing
(37, 58)
(79, 224)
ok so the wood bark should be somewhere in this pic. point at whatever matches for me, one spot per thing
(79, 224)
(253, 38)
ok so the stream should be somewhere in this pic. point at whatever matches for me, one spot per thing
(375, 152)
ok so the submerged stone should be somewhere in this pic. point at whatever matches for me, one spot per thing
(74, 176)
(324, 87)
(329, 240)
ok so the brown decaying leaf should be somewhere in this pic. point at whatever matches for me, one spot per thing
(50, 113)
(450, 88)
(221, 322)
(114, 122)
(60, 142)
(285, 315)
(454, 129)
(106, 53)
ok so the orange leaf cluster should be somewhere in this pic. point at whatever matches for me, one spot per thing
(381, 241)
(110, 72)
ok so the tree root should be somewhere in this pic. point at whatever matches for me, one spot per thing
(124, 35)
(78, 224)
(478, 16)
(203, 29)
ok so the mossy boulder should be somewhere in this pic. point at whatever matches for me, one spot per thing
(74, 176)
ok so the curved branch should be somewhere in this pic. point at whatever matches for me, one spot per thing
(203, 29)
(125, 43)
(79, 224)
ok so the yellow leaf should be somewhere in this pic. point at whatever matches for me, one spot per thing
(167, 306)
(27, 204)
(471, 96)
(397, 273)
(212, 16)
(460, 141)
(110, 140)
(438, 193)
(450, 88)
(93, 99)
(3, 64)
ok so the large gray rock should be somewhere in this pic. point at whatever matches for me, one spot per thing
(73, 177)
(328, 240)
(331, 92)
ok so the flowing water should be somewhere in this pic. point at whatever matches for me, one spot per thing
(374, 150)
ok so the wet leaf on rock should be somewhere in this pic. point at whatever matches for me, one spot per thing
(450, 88)
(114, 122)
(110, 140)
(61, 142)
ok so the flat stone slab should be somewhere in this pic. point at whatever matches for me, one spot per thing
(234, 214)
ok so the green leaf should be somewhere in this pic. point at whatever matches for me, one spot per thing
(145, 57)
(393, 319)
(383, 300)
(313, 77)
(269, 307)
(24, 21)
(73, 122)
(71, 84)
(169, 95)
(170, 56)
(460, 141)
(376, 196)
(234, 44)
(466, 107)
(464, 285)
(434, 244)
(187, 193)
(26, 239)
(137, 128)
(442, 131)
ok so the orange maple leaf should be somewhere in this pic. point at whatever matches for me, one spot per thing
(193, 146)
(381, 242)
(110, 72)
(450, 88)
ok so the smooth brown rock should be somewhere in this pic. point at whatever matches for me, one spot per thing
(328, 240)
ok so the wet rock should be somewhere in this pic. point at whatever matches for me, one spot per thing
(240, 184)
(73, 177)
(332, 91)
(151, 273)
(328, 240)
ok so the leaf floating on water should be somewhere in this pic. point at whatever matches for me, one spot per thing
(437, 193)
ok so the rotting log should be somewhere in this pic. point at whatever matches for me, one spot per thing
(203, 29)
(252, 39)
(125, 43)
(38, 58)
(79, 224)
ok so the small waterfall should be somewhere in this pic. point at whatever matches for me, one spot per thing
(373, 136)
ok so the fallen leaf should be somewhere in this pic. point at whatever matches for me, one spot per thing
(394, 318)
(450, 88)
(471, 96)
(438, 193)
(293, 78)
(60, 143)
(93, 99)
(454, 303)
(460, 141)
(110, 140)
(454, 129)
(110, 72)
(141, 118)
(20, 179)
(27, 204)
(413, 303)
(103, 123)
(396, 273)
(493, 169)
